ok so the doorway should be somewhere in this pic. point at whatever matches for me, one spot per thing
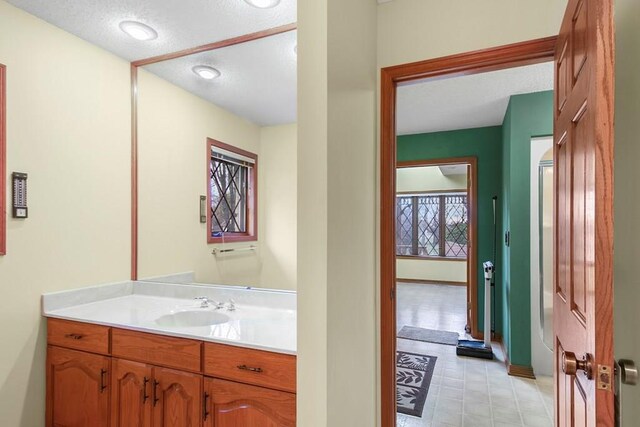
(477, 62)
(436, 253)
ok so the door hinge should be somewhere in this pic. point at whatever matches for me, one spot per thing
(393, 293)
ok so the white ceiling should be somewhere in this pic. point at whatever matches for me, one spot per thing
(448, 170)
(466, 102)
(258, 79)
(180, 24)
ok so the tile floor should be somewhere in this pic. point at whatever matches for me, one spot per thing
(466, 391)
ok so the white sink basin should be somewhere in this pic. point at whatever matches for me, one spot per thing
(191, 318)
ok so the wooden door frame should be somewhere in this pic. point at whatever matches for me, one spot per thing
(492, 59)
(472, 214)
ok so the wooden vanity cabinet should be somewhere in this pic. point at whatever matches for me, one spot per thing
(131, 387)
(77, 388)
(231, 404)
(177, 398)
(149, 380)
(144, 396)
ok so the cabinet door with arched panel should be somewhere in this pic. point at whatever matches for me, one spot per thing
(176, 398)
(131, 394)
(231, 404)
(77, 388)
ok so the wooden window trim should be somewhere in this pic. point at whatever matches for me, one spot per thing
(252, 201)
(431, 258)
(3, 160)
(441, 220)
(405, 193)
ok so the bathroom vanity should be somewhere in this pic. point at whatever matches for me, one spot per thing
(151, 354)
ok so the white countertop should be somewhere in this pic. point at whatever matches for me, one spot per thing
(264, 320)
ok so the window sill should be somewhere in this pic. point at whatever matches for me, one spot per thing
(232, 239)
(430, 258)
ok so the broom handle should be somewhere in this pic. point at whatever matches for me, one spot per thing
(495, 248)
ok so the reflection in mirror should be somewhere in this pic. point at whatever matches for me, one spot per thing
(205, 123)
(232, 194)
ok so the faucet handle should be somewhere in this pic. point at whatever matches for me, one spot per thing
(205, 301)
(231, 306)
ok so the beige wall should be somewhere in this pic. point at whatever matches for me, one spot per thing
(351, 189)
(627, 197)
(336, 273)
(173, 126)
(431, 270)
(312, 357)
(68, 128)
(336, 216)
(413, 30)
(278, 206)
(429, 178)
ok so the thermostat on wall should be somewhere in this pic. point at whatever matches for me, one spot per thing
(20, 209)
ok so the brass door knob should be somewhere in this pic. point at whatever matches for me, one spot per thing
(571, 364)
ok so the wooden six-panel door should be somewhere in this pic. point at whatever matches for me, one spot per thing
(77, 388)
(583, 135)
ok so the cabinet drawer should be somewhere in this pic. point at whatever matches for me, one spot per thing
(266, 369)
(180, 353)
(78, 335)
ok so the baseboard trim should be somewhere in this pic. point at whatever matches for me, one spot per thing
(495, 337)
(431, 282)
(521, 371)
(517, 370)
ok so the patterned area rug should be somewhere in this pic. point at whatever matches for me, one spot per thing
(428, 335)
(413, 376)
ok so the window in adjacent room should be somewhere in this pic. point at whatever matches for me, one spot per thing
(432, 225)
(232, 193)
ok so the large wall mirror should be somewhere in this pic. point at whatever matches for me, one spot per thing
(216, 156)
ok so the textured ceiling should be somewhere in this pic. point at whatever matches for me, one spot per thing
(257, 81)
(180, 24)
(466, 102)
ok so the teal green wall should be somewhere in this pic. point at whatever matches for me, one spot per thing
(484, 144)
(504, 155)
(506, 203)
(529, 115)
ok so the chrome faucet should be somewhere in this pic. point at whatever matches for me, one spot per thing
(204, 301)
(231, 305)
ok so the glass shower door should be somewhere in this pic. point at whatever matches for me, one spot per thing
(546, 251)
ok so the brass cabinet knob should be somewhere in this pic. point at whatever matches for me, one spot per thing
(571, 364)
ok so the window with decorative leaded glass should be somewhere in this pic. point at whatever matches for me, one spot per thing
(232, 190)
(432, 225)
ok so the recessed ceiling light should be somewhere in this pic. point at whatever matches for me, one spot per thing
(206, 72)
(138, 30)
(263, 4)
